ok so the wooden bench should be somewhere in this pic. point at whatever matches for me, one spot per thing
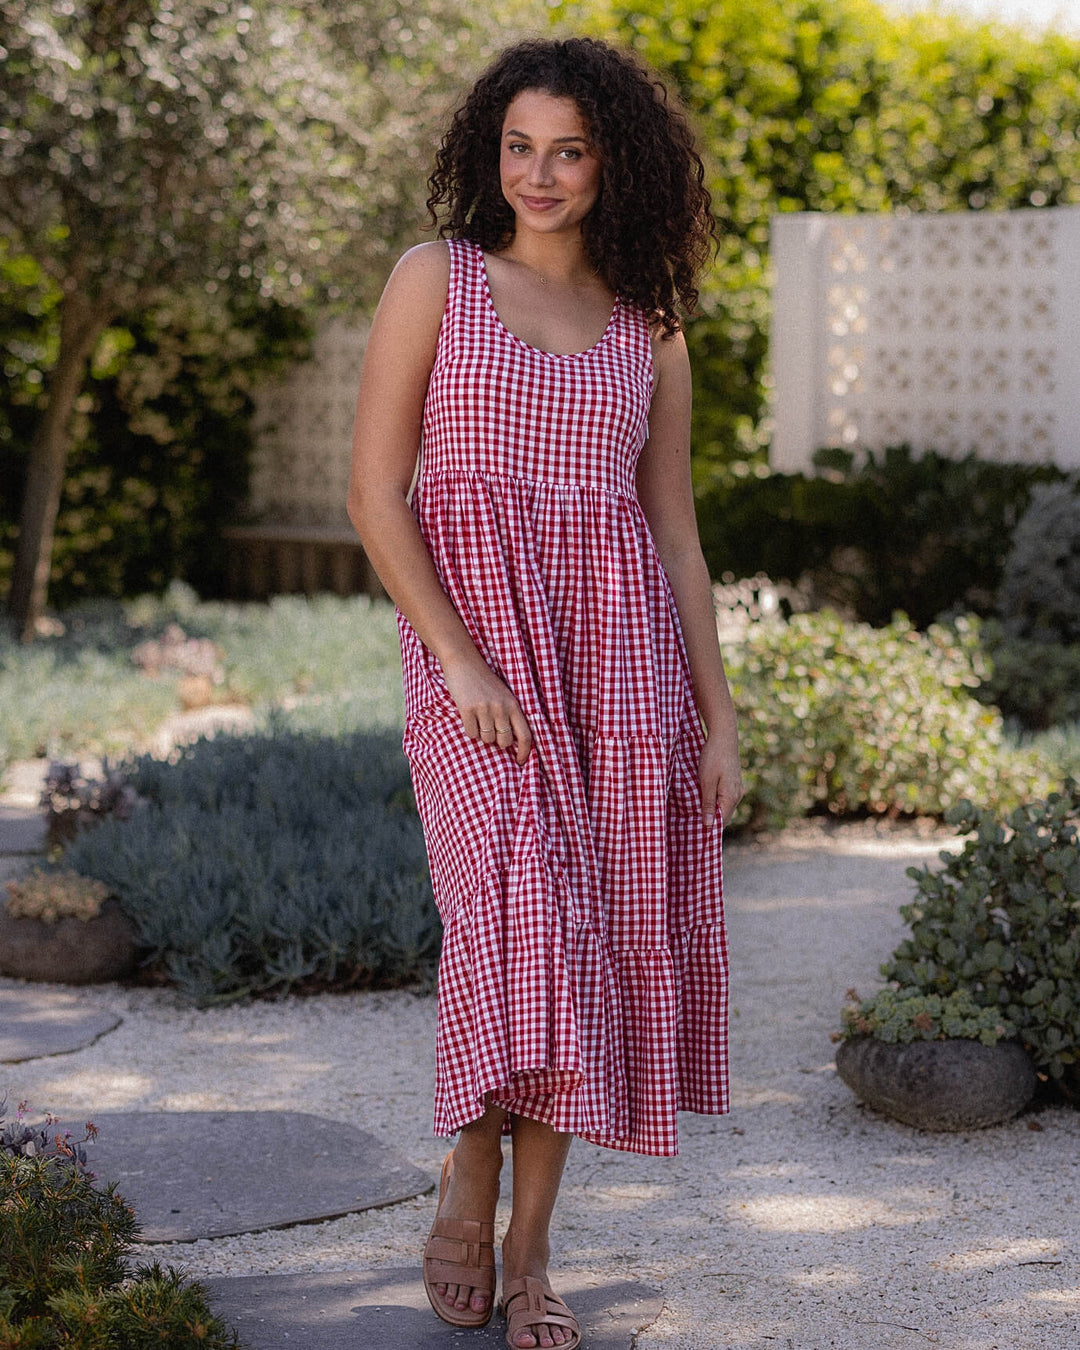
(275, 559)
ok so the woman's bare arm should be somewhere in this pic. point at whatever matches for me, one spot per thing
(386, 441)
(666, 496)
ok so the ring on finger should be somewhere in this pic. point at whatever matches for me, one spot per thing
(504, 731)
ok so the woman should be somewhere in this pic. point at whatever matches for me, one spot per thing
(568, 723)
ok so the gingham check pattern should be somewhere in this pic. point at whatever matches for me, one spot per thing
(583, 979)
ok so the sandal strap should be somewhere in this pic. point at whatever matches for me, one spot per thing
(461, 1251)
(539, 1309)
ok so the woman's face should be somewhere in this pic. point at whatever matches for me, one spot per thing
(548, 167)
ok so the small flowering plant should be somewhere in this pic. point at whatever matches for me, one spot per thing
(43, 1140)
(904, 1014)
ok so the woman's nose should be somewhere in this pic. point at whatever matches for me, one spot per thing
(540, 171)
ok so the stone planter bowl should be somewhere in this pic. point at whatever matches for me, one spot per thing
(939, 1085)
(70, 951)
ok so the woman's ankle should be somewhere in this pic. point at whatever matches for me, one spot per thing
(525, 1253)
(478, 1154)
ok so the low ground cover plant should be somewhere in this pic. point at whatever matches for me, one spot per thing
(66, 1277)
(271, 862)
(55, 702)
(847, 719)
(50, 896)
(92, 687)
(999, 923)
(900, 1015)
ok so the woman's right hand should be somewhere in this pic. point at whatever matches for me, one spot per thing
(489, 712)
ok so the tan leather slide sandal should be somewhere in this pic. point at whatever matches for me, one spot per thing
(459, 1251)
(533, 1306)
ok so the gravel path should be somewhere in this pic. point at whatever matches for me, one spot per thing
(800, 1222)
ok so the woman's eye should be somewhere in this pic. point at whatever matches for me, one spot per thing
(571, 154)
(516, 146)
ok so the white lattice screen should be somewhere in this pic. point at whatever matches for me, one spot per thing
(303, 429)
(954, 332)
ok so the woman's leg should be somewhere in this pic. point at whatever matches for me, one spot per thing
(539, 1157)
(473, 1192)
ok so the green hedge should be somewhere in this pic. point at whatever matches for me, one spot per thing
(894, 531)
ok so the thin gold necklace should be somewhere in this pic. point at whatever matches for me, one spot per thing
(593, 274)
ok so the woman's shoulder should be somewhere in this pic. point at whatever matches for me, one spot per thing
(415, 295)
(668, 349)
(423, 273)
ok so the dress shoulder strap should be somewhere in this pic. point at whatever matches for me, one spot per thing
(465, 296)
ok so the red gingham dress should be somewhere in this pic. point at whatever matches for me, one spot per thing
(583, 978)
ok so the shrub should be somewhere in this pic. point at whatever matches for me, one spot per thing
(1034, 646)
(296, 648)
(1059, 747)
(847, 719)
(908, 1014)
(1036, 682)
(64, 1251)
(924, 533)
(72, 800)
(272, 862)
(1039, 595)
(1001, 920)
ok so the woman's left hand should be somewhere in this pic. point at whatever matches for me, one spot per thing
(720, 776)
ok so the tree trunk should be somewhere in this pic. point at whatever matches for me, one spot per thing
(81, 324)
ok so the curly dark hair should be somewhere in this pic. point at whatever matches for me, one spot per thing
(651, 231)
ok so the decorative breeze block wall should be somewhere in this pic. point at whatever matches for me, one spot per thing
(303, 432)
(953, 332)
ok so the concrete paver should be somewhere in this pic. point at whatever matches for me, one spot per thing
(197, 1174)
(380, 1309)
(22, 829)
(36, 1020)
